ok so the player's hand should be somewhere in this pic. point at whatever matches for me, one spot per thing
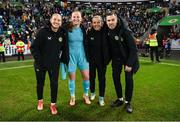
(128, 69)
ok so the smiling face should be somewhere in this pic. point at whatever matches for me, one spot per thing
(76, 18)
(111, 21)
(97, 23)
(56, 21)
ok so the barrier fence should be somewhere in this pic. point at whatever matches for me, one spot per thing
(10, 50)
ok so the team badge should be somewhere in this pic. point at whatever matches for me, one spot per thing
(49, 38)
(116, 37)
(92, 38)
(60, 39)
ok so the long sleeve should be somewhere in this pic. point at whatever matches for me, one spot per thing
(65, 50)
(63, 70)
(132, 49)
(35, 48)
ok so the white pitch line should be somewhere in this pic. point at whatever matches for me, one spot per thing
(170, 64)
(17, 67)
(163, 63)
(9, 62)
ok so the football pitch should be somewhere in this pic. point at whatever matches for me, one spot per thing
(156, 95)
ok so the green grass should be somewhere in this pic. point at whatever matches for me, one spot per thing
(156, 95)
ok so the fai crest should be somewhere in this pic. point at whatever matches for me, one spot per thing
(92, 38)
(60, 39)
(116, 37)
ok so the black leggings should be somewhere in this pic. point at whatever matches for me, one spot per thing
(152, 51)
(101, 70)
(40, 77)
(3, 56)
(20, 54)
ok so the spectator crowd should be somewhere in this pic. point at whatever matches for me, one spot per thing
(20, 20)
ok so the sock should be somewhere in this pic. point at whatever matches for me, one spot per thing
(121, 99)
(53, 103)
(86, 85)
(101, 98)
(92, 94)
(127, 102)
(72, 87)
(41, 100)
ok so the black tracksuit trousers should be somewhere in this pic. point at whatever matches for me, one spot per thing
(101, 70)
(117, 69)
(154, 50)
(53, 76)
(20, 55)
(3, 56)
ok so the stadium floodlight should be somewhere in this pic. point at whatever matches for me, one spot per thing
(77, 2)
(108, 3)
(139, 2)
(87, 3)
(151, 1)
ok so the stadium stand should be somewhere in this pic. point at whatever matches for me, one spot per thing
(22, 18)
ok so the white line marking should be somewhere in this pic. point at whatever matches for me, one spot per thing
(26, 66)
(170, 64)
(17, 67)
(163, 63)
(9, 62)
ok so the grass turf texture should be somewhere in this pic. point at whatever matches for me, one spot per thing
(156, 95)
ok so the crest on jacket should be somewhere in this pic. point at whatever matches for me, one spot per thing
(60, 39)
(92, 38)
(116, 38)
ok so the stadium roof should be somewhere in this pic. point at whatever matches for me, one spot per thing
(109, 0)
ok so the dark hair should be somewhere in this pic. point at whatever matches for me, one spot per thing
(110, 13)
(153, 31)
(70, 26)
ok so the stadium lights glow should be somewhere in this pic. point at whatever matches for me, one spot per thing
(87, 3)
(77, 2)
(139, 2)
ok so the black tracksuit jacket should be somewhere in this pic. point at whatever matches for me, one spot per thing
(49, 48)
(98, 47)
(122, 45)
